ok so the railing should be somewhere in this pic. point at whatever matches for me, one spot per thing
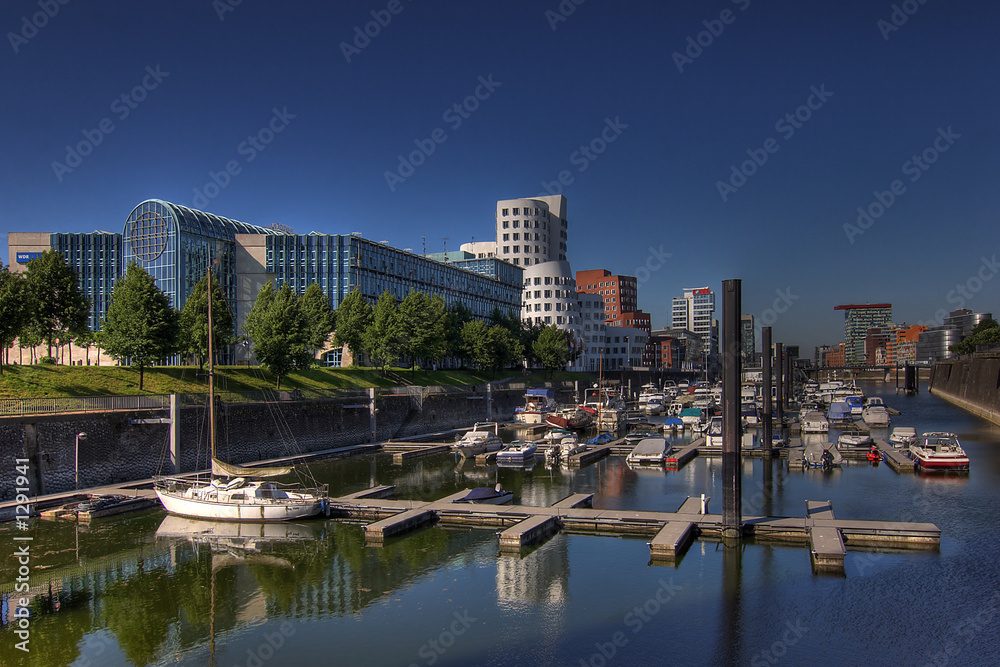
(11, 407)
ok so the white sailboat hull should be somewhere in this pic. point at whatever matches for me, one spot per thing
(285, 509)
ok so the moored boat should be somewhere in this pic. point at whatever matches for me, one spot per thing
(815, 422)
(487, 496)
(517, 452)
(876, 416)
(484, 437)
(649, 450)
(855, 438)
(538, 403)
(903, 436)
(939, 451)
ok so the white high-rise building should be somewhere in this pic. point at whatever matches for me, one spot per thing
(695, 311)
(531, 231)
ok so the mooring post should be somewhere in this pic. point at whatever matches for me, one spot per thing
(765, 367)
(732, 441)
(489, 402)
(175, 434)
(779, 368)
(371, 412)
(789, 381)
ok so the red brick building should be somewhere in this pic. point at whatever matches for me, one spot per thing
(621, 307)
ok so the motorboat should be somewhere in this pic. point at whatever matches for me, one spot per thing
(556, 434)
(713, 434)
(938, 451)
(487, 496)
(750, 413)
(839, 411)
(822, 455)
(856, 404)
(650, 450)
(573, 418)
(517, 452)
(876, 416)
(640, 432)
(484, 437)
(690, 416)
(673, 424)
(538, 403)
(855, 438)
(601, 439)
(553, 453)
(675, 408)
(874, 400)
(572, 446)
(903, 436)
(815, 422)
(654, 405)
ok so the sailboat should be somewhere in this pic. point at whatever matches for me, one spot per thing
(237, 493)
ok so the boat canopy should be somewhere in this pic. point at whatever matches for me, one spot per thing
(229, 470)
(549, 393)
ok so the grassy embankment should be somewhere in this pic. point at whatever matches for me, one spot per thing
(52, 381)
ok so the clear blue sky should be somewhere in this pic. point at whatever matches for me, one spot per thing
(213, 82)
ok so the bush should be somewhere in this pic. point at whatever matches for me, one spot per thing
(48, 360)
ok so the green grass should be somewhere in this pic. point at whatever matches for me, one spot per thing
(55, 381)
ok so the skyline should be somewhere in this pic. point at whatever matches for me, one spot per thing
(824, 155)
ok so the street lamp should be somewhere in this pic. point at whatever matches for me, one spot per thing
(76, 459)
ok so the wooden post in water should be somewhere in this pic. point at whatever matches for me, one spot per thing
(779, 367)
(732, 459)
(765, 365)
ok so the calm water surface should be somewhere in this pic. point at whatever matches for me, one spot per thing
(139, 590)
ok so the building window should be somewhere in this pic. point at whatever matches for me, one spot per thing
(517, 237)
(505, 224)
(517, 211)
(333, 358)
(505, 212)
(517, 223)
(506, 237)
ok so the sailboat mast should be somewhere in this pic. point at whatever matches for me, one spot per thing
(211, 369)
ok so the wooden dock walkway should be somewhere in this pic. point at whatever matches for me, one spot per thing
(676, 460)
(895, 458)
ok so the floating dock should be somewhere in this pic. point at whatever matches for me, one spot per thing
(895, 458)
(679, 457)
(396, 525)
(672, 540)
(530, 530)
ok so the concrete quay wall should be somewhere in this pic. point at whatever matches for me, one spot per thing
(972, 384)
(117, 450)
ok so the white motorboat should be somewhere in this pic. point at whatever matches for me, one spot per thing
(822, 455)
(553, 453)
(855, 438)
(876, 416)
(939, 452)
(484, 437)
(903, 436)
(538, 403)
(517, 452)
(232, 492)
(815, 422)
(650, 450)
(487, 496)
(713, 434)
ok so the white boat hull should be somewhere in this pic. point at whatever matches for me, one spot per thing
(284, 510)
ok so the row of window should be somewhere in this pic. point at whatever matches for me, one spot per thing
(527, 237)
(516, 224)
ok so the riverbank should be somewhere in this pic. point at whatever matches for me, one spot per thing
(972, 384)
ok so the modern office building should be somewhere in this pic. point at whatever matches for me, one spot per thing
(965, 320)
(531, 231)
(934, 344)
(858, 319)
(904, 344)
(621, 306)
(684, 349)
(695, 311)
(748, 340)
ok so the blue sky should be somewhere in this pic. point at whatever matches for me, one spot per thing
(819, 107)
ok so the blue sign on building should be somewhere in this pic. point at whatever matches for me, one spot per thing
(25, 257)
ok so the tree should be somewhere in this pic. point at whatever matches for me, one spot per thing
(279, 332)
(384, 337)
(12, 310)
(457, 317)
(528, 333)
(320, 316)
(986, 332)
(492, 347)
(140, 326)
(422, 327)
(58, 308)
(353, 317)
(552, 348)
(193, 339)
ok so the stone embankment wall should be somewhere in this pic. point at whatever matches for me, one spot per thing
(118, 450)
(972, 384)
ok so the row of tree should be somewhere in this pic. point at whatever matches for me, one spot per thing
(141, 328)
(986, 332)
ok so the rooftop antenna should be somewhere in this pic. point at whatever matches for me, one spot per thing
(423, 245)
(444, 243)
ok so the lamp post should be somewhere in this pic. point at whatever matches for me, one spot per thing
(76, 460)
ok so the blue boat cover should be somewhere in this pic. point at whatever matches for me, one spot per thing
(551, 393)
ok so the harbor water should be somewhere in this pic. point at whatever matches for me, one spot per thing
(143, 589)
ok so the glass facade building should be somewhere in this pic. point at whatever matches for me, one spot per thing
(858, 319)
(97, 259)
(175, 244)
(340, 263)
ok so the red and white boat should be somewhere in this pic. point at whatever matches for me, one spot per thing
(939, 451)
(575, 419)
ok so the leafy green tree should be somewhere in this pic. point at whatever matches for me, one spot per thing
(528, 333)
(279, 332)
(193, 338)
(492, 347)
(140, 326)
(383, 337)
(57, 306)
(353, 318)
(552, 348)
(986, 332)
(12, 310)
(422, 325)
(455, 321)
(434, 346)
(320, 316)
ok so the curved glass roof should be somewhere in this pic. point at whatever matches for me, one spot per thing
(193, 221)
